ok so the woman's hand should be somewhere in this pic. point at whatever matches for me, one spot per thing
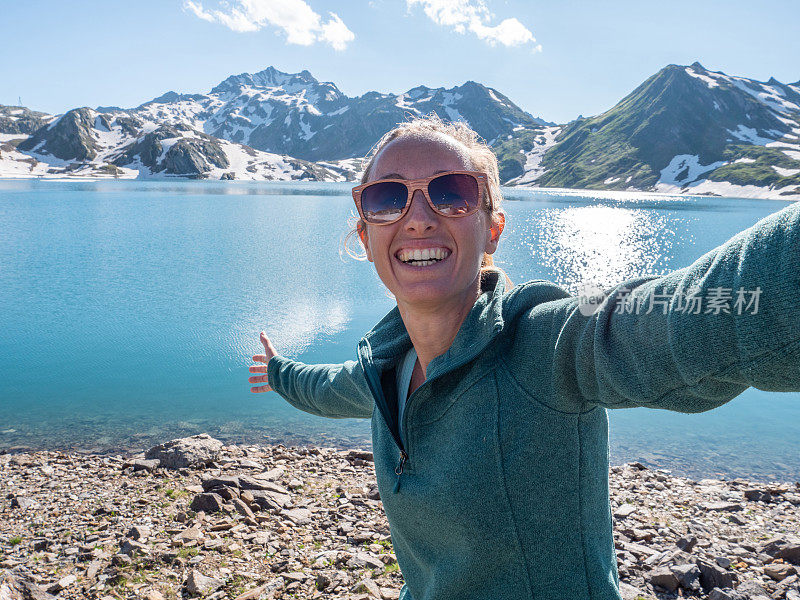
(270, 351)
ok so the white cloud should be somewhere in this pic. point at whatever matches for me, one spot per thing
(474, 16)
(297, 20)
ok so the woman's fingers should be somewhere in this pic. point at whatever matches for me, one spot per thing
(269, 349)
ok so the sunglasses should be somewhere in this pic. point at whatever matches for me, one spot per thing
(450, 194)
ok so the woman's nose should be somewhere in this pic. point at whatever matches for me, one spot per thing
(420, 216)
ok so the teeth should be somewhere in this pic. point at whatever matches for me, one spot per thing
(423, 255)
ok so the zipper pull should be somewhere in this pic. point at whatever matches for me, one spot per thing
(399, 470)
(403, 457)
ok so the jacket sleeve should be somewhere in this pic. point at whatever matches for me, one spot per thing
(335, 391)
(688, 341)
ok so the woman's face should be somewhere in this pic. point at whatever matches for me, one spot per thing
(462, 241)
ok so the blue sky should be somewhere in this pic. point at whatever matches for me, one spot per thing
(554, 59)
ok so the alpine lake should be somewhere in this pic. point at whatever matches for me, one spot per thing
(131, 310)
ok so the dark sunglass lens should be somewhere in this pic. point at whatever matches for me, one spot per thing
(454, 194)
(384, 201)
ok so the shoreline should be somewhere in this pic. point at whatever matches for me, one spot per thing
(699, 466)
(273, 521)
(709, 189)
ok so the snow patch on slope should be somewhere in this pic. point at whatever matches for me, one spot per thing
(685, 168)
(533, 158)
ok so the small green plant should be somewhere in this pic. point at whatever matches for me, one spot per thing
(15, 540)
(392, 568)
(188, 552)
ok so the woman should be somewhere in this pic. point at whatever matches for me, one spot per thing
(493, 472)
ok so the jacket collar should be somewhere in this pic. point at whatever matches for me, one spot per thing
(388, 341)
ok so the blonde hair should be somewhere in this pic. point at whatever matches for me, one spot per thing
(480, 155)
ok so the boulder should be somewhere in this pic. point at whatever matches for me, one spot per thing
(207, 503)
(663, 577)
(713, 576)
(190, 452)
(19, 585)
(198, 584)
(688, 576)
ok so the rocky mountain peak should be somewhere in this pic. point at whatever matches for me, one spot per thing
(268, 78)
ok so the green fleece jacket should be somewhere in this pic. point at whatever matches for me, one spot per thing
(498, 487)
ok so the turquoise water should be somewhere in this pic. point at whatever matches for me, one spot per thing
(130, 311)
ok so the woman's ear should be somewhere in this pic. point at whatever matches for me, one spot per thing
(361, 228)
(496, 230)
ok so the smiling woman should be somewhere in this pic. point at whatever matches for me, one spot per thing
(488, 401)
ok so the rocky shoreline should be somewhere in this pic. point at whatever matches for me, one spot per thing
(196, 518)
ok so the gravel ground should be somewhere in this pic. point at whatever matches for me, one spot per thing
(200, 519)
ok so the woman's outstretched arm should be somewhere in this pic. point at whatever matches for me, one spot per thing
(336, 391)
(689, 341)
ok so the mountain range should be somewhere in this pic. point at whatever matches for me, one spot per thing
(684, 130)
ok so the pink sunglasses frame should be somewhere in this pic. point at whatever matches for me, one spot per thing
(412, 185)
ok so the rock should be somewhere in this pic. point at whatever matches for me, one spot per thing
(267, 500)
(23, 503)
(198, 584)
(242, 508)
(688, 576)
(624, 511)
(390, 593)
(142, 464)
(207, 503)
(629, 592)
(139, 532)
(363, 559)
(712, 576)
(153, 595)
(62, 584)
(757, 495)
(686, 543)
(790, 553)
(121, 560)
(752, 590)
(779, 571)
(230, 175)
(93, 569)
(368, 586)
(18, 584)
(721, 506)
(663, 577)
(272, 474)
(359, 454)
(189, 534)
(190, 452)
(131, 547)
(322, 581)
(255, 593)
(298, 516)
(211, 483)
(251, 483)
(725, 594)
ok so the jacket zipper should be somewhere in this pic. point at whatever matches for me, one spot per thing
(377, 391)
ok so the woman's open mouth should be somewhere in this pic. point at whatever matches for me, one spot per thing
(422, 257)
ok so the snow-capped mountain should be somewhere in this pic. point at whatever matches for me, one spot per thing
(273, 118)
(84, 142)
(297, 115)
(686, 129)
